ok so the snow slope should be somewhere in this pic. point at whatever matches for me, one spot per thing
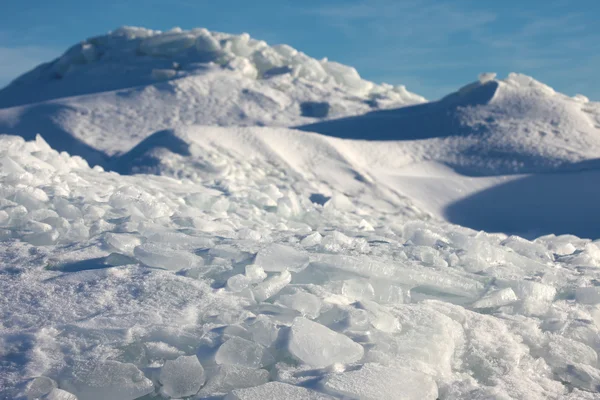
(492, 127)
(106, 94)
(214, 253)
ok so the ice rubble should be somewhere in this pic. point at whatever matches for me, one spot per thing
(164, 288)
(158, 56)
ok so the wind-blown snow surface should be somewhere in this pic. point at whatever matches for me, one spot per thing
(111, 283)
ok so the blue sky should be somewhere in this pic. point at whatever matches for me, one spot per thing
(431, 46)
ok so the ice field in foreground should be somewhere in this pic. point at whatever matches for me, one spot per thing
(134, 285)
(192, 246)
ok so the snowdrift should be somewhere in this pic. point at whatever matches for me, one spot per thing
(493, 127)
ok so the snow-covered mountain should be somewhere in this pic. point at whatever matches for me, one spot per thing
(240, 221)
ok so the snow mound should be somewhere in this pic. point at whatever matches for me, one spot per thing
(489, 127)
(434, 307)
(131, 56)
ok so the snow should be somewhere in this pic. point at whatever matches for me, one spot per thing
(192, 244)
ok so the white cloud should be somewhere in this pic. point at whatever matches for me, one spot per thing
(15, 60)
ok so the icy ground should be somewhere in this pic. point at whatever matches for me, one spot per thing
(242, 262)
(110, 283)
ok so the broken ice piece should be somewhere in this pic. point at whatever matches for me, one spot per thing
(38, 387)
(158, 256)
(182, 377)
(379, 318)
(238, 351)
(107, 380)
(376, 382)
(59, 394)
(306, 303)
(225, 378)
(319, 346)
(271, 286)
(278, 258)
(255, 273)
(496, 299)
(237, 283)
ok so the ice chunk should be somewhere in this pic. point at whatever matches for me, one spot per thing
(339, 201)
(107, 380)
(225, 378)
(376, 382)
(563, 351)
(244, 66)
(167, 44)
(39, 387)
(276, 391)
(271, 286)
(532, 250)
(357, 289)
(255, 273)
(47, 238)
(206, 43)
(535, 297)
(289, 206)
(311, 240)
(157, 256)
(237, 283)
(182, 377)
(308, 304)
(496, 299)
(238, 351)
(581, 376)
(59, 394)
(337, 241)
(388, 293)
(588, 295)
(319, 346)
(278, 258)
(263, 331)
(122, 242)
(379, 318)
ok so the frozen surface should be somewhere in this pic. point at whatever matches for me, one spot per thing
(165, 259)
